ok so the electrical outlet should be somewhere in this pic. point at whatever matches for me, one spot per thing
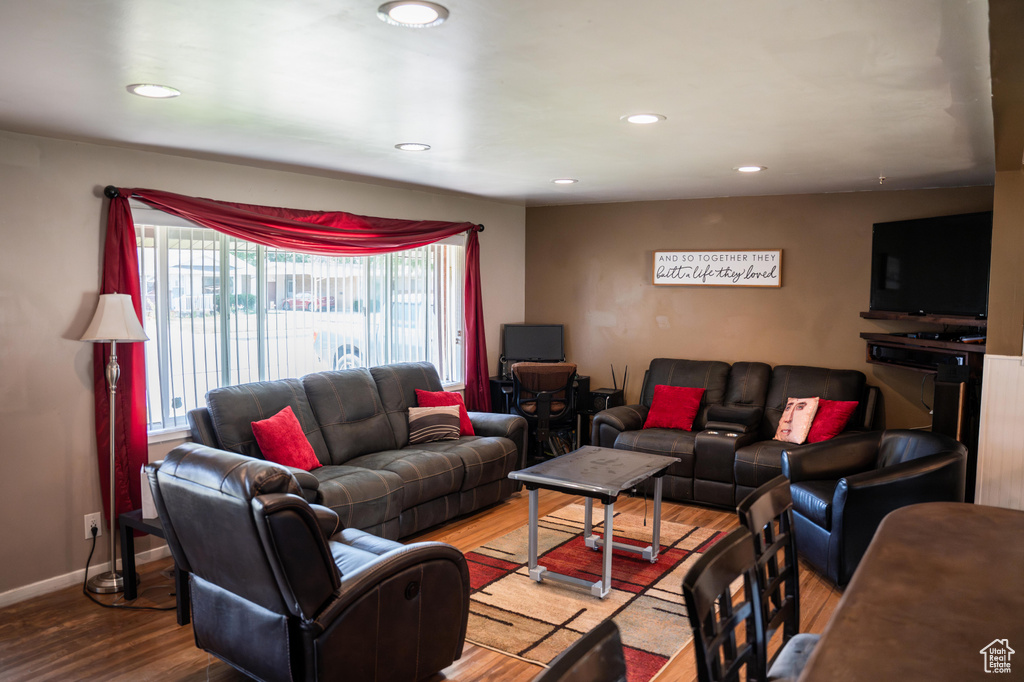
(93, 521)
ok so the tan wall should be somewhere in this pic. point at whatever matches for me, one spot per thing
(52, 222)
(1006, 288)
(589, 267)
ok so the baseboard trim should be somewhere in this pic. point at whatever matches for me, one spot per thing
(60, 582)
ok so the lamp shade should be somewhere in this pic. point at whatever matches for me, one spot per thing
(115, 320)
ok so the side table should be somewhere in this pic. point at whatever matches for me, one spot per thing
(133, 520)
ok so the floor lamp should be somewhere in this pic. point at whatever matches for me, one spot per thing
(115, 321)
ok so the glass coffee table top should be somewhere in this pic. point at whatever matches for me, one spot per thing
(592, 469)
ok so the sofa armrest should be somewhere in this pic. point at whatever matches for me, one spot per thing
(492, 424)
(327, 519)
(608, 424)
(737, 418)
(510, 426)
(831, 459)
(309, 483)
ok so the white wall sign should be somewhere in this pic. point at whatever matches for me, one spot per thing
(718, 268)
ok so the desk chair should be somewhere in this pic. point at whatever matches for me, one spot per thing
(768, 514)
(728, 637)
(542, 394)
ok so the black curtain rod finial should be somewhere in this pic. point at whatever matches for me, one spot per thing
(111, 192)
(480, 228)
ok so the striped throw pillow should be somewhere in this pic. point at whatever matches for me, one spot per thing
(428, 424)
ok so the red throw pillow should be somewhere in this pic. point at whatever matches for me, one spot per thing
(830, 420)
(444, 399)
(673, 407)
(282, 441)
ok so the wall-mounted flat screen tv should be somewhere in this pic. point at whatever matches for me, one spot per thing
(532, 342)
(932, 266)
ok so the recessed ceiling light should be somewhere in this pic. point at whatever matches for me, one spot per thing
(565, 181)
(642, 119)
(412, 146)
(153, 91)
(412, 13)
(751, 169)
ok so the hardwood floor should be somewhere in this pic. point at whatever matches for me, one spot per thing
(65, 636)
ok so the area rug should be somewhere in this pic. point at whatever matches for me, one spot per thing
(536, 621)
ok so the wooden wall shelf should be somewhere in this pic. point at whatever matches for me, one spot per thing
(959, 320)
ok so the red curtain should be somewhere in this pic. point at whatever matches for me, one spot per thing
(121, 276)
(322, 232)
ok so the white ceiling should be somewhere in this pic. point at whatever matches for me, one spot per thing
(828, 94)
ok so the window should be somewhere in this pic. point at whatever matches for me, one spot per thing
(221, 311)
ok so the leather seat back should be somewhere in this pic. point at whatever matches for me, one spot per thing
(796, 381)
(903, 445)
(397, 386)
(240, 524)
(233, 409)
(711, 375)
(349, 410)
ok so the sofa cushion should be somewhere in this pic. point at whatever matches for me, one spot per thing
(425, 475)
(710, 375)
(669, 442)
(349, 412)
(673, 407)
(281, 439)
(233, 409)
(748, 384)
(362, 498)
(485, 459)
(396, 385)
(760, 462)
(793, 381)
(813, 499)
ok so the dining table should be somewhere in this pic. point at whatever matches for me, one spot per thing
(939, 595)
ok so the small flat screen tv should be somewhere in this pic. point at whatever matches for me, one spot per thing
(932, 266)
(532, 342)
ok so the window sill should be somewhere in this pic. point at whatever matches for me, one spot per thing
(164, 435)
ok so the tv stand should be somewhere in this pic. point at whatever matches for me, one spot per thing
(956, 362)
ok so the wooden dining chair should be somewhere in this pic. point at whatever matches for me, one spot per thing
(597, 656)
(727, 632)
(768, 514)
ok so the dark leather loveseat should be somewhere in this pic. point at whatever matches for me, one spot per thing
(356, 420)
(730, 450)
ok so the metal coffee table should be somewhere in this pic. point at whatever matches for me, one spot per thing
(597, 474)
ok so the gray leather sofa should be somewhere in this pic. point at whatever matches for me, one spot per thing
(731, 449)
(357, 423)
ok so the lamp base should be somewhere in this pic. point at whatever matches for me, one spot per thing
(106, 583)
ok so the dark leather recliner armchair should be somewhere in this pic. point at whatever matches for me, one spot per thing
(842, 488)
(281, 593)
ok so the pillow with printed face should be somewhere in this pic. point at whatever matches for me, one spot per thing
(796, 420)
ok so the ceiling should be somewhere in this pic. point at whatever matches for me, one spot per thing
(510, 95)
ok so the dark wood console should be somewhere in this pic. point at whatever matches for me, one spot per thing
(955, 364)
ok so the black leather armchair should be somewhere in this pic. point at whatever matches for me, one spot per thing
(281, 593)
(842, 488)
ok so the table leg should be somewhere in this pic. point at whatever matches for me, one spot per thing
(589, 539)
(536, 572)
(604, 587)
(128, 577)
(656, 544)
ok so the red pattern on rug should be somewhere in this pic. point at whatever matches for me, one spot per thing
(535, 621)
